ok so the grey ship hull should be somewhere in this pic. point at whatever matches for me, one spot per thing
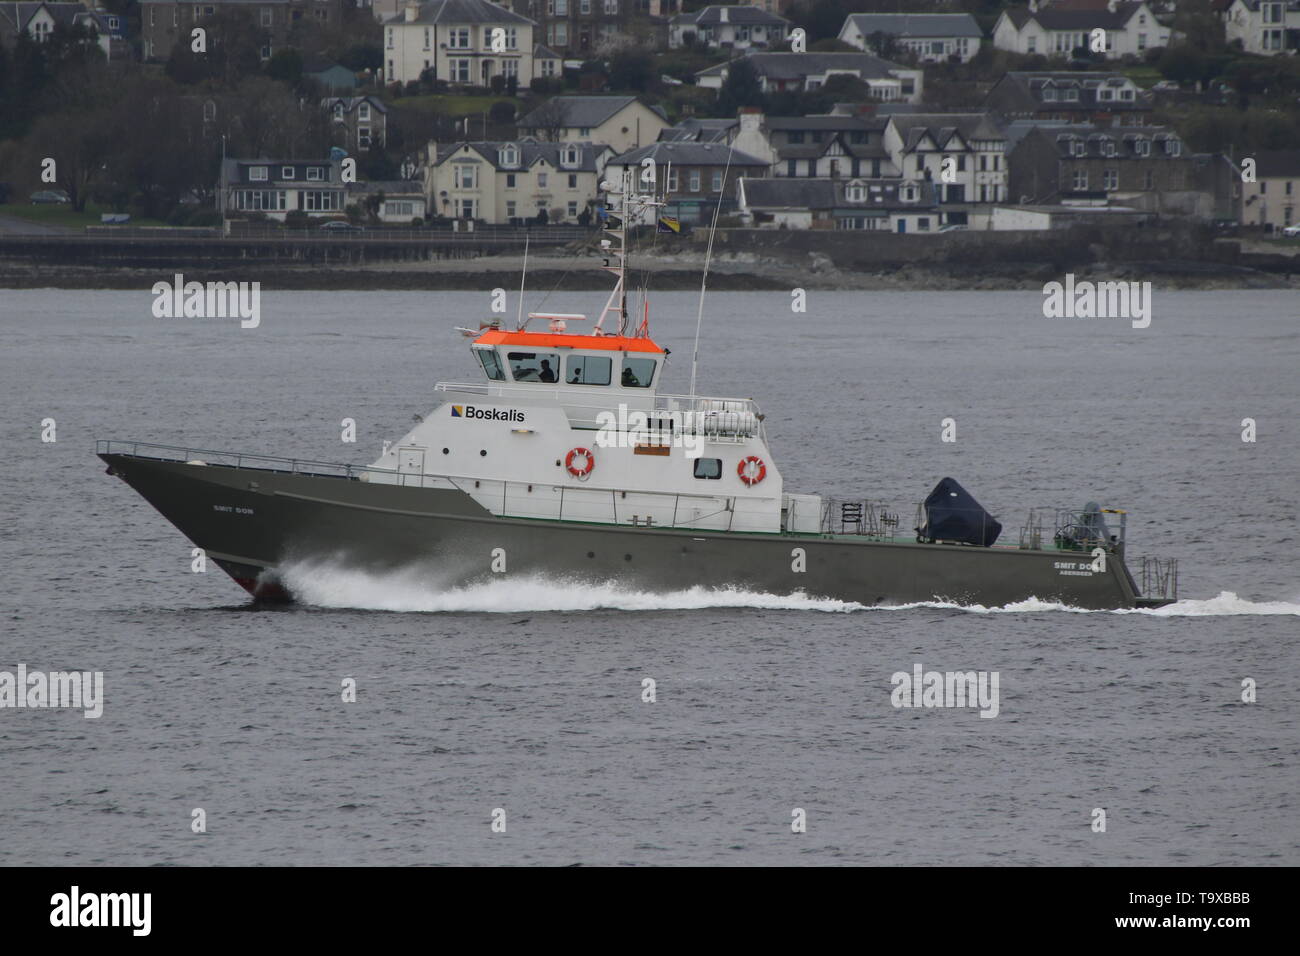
(251, 521)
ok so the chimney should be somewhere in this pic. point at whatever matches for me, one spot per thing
(751, 119)
(412, 11)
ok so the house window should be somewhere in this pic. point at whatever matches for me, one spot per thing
(548, 67)
(314, 174)
(1142, 147)
(716, 186)
(923, 224)
(510, 181)
(573, 180)
(695, 180)
(512, 38)
(286, 172)
(570, 157)
(458, 38)
(466, 208)
(573, 210)
(672, 180)
(1142, 41)
(791, 167)
(509, 68)
(266, 52)
(510, 157)
(389, 33)
(1032, 45)
(1078, 147)
(1079, 181)
(390, 69)
(855, 192)
(510, 208)
(460, 71)
(338, 112)
(584, 7)
(257, 174)
(363, 112)
(1173, 147)
(426, 37)
(363, 137)
(209, 111)
(561, 8)
(465, 176)
(267, 15)
(1049, 95)
(541, 180)
(1110, 179)
(611, 7)
(907, 194)
(1108, 147)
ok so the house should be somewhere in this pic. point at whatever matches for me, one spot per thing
(510, 182)
(963, 154)
(624, 122)
(357, 122)
(697, 177)
(830, 145)
(1071, 96)
(1273, 199)
(886, 81)
(732, 27)
(695, 129)
(277, 187)
(581, 27)
(462, 42)
(1142, 167)
(397, 201)
(1263, 26)
(1128, 28)
(1043, 217)
(39, 20)
(889, 205)
(933, 37)
(332, 77)
(547, 64)
(163, 23)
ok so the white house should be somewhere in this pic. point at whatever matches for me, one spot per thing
(38, 21)
(1128, 28)
(505, 182)
(933, 37)
(901, 206)
(464, 42)
(1263, 26)
(399, 201)
(886, 81)
(963, 154)
(624, 122)
(1272, 201)
(736, 27)
(275, 188)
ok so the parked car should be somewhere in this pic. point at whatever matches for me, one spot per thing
(340, 225)
(49, 196)
(1167, 85)
(1292, 232)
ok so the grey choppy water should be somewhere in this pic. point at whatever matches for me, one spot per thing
(528, 698)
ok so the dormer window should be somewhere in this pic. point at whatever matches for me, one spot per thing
(571, 156)
(855, 192)
(1078, 147)
(1173, 147)
(907, 193)
(1072, 95)
(363, 112)
(286, 172)
(314, 173)
(338, 112)
(509, 156)
(1143, 147)
(257, 174)
(1049, 95)
(1108, 147)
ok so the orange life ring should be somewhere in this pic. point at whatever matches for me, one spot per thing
(750, 476)
(585, 470)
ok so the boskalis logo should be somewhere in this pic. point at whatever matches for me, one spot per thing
(488, 414)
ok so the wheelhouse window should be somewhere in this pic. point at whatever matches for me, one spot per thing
(534, 366)
(708, 467)
(638, 373)
(491, 363)
(587, 370)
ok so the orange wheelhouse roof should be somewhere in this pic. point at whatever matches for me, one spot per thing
(563, 340)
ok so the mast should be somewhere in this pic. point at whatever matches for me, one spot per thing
(615, 249)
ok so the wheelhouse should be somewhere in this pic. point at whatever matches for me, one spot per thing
(557, 358)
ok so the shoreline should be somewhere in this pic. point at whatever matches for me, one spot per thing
(728, 273)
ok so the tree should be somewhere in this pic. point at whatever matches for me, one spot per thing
(286, 66)
(632, 69)
(740, 88)
(551, 119)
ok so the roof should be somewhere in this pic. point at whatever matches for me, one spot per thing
(696, 130)
(352, 102)
(941, 127)
(742, 15)
(459, 11)
(530, 153)
(1093, 138)
(1278, 162)
(826, 121)
(18, 15)
(543, 52)
(796, 193)
(583, 112)
(915, 24)
(688, 154)
(1055, 18)
(793, 66)
(390, 187)
(562, 340)
(1023, 91)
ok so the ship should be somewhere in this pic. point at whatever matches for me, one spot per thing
(565, 460)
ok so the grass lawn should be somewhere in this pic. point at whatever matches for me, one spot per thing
(452, 104)
(62, 214)
(1145, 76)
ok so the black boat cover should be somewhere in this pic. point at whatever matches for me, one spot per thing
(951, 514)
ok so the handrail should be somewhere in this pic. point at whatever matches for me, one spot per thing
(685, 402)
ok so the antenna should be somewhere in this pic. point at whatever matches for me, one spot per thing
(519, 318)
(704, 278)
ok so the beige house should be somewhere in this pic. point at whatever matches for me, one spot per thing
(1272, 201)
(513, 182)
(1266, 27)
(623, 122)
(463, 42)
